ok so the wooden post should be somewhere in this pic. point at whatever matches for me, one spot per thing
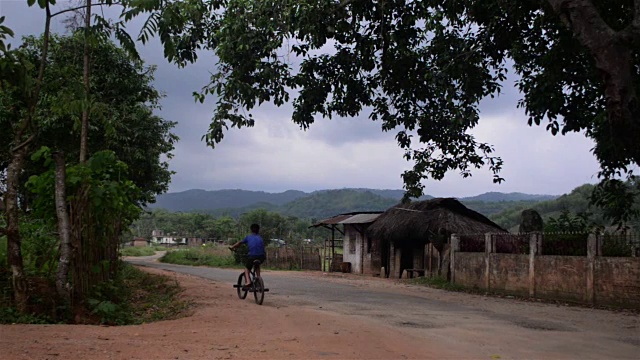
(488, 249)
(534, 246)
(592, 249)
(455, 247)
(333, 250)
(430, 259)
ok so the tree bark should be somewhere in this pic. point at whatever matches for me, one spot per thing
(612, 53)
(18, 154)
(84, 133)
(12, 231)
(62, 275)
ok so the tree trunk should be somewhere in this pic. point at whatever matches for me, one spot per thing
(14, 251)
(84, 133)
(612, 52)
(62, 275)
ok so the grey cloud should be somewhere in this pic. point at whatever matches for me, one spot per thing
(276, 155)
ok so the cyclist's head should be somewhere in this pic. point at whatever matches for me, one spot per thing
(255, 228)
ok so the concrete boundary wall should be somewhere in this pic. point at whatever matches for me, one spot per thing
(591, 279)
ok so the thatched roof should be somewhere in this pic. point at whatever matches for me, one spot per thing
(420, 220)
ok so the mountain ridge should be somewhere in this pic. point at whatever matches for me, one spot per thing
(326, 201)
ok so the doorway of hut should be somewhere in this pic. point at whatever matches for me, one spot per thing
(406, 258)
(385, 251)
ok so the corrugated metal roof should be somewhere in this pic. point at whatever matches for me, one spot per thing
(360, 219)
(332, 220)
(350, 218)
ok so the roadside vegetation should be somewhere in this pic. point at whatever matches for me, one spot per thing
(214, 256)
(141, 251)
(436, 282)
(132, 297)
(137, 251)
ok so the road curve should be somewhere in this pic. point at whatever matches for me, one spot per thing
(487, 326)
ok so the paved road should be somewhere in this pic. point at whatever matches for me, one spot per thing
(491, 327)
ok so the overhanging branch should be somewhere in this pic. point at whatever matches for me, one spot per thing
(24, 143)
(84, 6)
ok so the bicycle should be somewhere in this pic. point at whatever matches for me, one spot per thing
(256, 286)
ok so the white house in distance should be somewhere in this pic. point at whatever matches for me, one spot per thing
(159, 237)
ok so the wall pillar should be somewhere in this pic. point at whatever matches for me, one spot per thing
(392, 259)
(535, 243)
(455, 247)
(489, 247)
(592, 250)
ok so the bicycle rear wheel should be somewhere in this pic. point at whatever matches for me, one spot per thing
(241, 283)
(258, 292)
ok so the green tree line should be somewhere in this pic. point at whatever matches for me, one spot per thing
(83, 154)
(226, 228)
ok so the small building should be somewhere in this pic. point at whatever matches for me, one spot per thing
(195, 241)
(139, 242)
(404, 235)
(358, 252)
(159, 237)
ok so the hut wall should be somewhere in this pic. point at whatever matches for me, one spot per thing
(373, 258)
(140, 242)
(418, 256)
(395, 257)
(352, 250)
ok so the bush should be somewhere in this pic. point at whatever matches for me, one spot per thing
(208, 256)
(3, 253)
(436, 282)
(137, 251)
(136, 297)
(616, 246)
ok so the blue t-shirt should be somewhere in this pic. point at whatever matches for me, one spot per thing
(255, 243)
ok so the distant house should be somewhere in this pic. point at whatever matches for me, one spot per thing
(139, 242)
(159, 237)
(358, 252)
(401, 234)
(277, 242)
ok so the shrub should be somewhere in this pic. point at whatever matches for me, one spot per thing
(137, 251)
(209, 256)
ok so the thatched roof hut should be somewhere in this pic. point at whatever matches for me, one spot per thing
(420, 221)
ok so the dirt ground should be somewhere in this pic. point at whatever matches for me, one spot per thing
(221, 327)
(452, 326)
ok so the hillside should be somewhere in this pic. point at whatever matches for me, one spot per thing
(514, 196)
(576, 202)
(203, 200)
(323, 203)
(331, 202)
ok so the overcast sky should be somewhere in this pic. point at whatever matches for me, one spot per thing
(276, 155)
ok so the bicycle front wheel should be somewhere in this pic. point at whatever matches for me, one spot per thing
(241, 283)
(258, 292)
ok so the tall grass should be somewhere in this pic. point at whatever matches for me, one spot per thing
(436, 282)
(137, 251)
(215, 256)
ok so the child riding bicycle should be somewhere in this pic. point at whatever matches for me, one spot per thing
(256, 252)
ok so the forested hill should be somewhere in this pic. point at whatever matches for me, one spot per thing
(323, 203)
(577, 201)
(203, 200)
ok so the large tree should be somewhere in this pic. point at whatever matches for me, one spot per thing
(122, 103)
(421, 68)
